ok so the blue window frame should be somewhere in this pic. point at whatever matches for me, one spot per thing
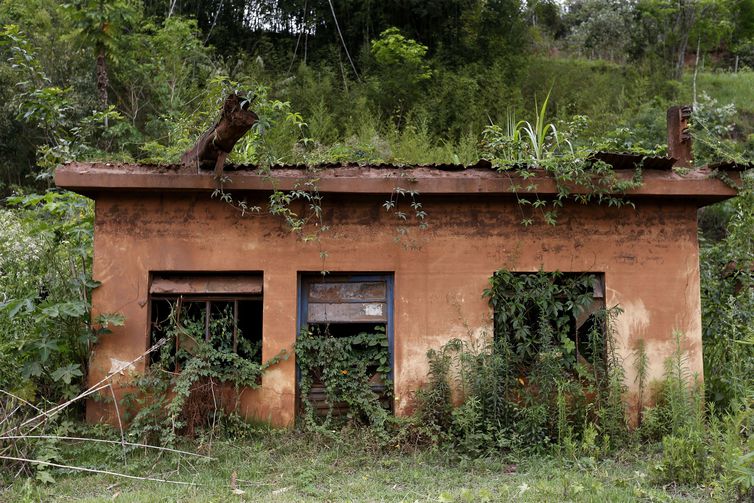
(346, 303)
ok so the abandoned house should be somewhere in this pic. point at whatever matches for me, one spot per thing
(160, 236)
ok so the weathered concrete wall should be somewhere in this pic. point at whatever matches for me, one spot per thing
(649, 256)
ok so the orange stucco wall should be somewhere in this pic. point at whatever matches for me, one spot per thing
(649, 256)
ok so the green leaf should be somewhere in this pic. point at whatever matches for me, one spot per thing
(44, 477)
(73, 309)
(14, 306)
(107, 319)
(67, 373)
(46, 347)
(32, 369)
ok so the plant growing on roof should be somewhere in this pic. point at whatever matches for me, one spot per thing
(524, 141)
(524, 145)
(541, 135)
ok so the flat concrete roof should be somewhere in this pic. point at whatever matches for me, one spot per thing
(98, 177)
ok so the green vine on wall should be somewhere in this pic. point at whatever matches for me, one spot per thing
(577, 179)
(346, 367)
(185, 388)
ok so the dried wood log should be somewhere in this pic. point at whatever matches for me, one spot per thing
(217, 142)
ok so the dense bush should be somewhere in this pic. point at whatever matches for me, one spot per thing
(531, 385)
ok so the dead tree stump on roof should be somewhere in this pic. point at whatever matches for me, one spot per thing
(218, 141)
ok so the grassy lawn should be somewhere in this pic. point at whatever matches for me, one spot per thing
(726, 87)
(287, 466)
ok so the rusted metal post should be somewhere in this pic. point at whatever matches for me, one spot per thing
(217, 142)
(679, 136)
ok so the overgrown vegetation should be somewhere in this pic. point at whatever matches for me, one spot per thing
(46, 286)
(201, 368)
(345, 367)
(543, 380)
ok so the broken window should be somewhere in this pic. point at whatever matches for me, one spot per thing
(354, 307)
(537, 313)
(225, 310)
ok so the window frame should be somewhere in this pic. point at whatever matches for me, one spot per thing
(207, 298)
(306, 278)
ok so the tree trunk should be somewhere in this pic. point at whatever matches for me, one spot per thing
(216, 143)
(102, 79)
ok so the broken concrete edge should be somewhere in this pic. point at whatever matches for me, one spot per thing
(92, 178)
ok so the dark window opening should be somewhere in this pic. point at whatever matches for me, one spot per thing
(549, 311)
(223, 310)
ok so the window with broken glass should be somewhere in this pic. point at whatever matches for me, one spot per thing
(224, 311)
(549, 313)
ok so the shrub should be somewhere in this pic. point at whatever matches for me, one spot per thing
(530, 386)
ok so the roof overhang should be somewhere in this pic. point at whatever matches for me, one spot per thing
(93, 179)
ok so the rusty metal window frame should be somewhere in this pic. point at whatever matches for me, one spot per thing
(208, 302)
(207, 298)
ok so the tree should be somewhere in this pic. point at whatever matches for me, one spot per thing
(667, 26)
(99, 22)
(601, 28)
(401, 68)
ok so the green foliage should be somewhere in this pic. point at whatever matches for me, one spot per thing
(50, 110)
(684, 457)
(346, 468)
(712, 130)
(195, 379)
(401, 68)
(395, 53)
(699, 446)
(99, 22)
(435, 406)
(99, 25)
(601, 28)
(346, 366)
(679, 408)
(728, 304)
(162, 69)
(523, 141)
(539, 134)
(46, 283)
(423, 99)
(273, 138)
(523, 145)
(531, 386)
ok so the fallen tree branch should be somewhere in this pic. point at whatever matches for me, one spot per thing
(91, 390)
(216, 143)
(103, 472)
